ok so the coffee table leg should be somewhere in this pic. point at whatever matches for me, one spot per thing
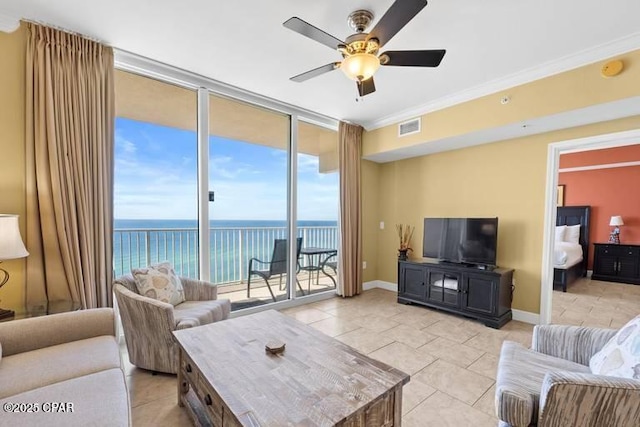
(180, 379)
(397, 403)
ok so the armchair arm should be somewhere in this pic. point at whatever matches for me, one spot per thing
(33, 333)
(569, 398)
(198, 290)
(574, 343)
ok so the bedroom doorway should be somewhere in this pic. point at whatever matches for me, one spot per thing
(618, 139)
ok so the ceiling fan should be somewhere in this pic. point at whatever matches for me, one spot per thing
(360, 50)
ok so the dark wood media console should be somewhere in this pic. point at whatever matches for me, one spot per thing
(484, 295)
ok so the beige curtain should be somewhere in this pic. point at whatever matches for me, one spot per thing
(70, 122)
(350, 154)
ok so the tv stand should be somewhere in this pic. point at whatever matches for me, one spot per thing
(484, 295)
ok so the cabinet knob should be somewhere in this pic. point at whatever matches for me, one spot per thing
(207, 400)
(189, 367)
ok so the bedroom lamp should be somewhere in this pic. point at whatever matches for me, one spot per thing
(11, 247)
(616, 221)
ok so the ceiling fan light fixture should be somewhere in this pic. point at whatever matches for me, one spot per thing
(360, 66)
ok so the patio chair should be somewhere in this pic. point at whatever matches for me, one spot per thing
(277, 266)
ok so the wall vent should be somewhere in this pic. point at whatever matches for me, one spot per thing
(409, 127)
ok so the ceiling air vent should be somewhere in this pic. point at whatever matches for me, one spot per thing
(409, 127)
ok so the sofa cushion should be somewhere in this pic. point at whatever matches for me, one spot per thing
(159, 282)
(98, 399)
(26, 371)
(195, 313)
(620, 357)
(519, 381)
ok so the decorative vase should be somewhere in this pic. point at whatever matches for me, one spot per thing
(402, 254)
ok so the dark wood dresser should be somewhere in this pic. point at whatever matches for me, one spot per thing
(616, 263)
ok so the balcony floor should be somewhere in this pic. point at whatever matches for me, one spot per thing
(237, 291)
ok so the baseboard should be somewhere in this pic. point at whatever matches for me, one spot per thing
(389, 286)
(526, 316)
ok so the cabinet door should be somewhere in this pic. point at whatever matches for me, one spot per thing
(443, 288)
(628, 267)
(412, 282)
(606, 265)
(479, 293)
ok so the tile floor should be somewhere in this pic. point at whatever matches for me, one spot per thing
(452, 360)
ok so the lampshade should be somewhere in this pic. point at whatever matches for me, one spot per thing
(360, 66)
(616, 221)
(11, 245)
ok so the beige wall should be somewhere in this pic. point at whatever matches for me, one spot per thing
(12, 153)
(505, 179)
(370, 174)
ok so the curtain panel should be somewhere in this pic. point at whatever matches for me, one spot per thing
(350, 262)
(70, 142)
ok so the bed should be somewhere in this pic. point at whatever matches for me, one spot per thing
(575, 257)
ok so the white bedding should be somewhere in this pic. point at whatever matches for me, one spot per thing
(566, 254)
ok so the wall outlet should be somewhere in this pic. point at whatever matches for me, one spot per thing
(364, 265)
(381, 225)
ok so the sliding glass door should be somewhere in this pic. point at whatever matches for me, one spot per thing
(227, 191)
(248, 162)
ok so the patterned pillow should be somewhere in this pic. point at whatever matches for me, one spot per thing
(159, 282)
(620, 357)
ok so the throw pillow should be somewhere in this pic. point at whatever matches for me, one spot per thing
(159, 282)
(620, 357)
(560, 229)
(572, 234)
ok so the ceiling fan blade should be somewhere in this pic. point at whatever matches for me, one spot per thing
(315, 72)
(412, 58)
(299, 26)
(398, 15)
(366, 87)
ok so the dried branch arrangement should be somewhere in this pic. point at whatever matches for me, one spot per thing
(405, 232)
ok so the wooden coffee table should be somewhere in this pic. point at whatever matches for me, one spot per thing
(226, 378)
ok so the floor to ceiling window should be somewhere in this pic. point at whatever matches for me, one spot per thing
(231, 201)
(317, 207)
(155, 179)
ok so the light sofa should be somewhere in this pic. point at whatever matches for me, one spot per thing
(148, 323)
(52, 361)
(551, 385)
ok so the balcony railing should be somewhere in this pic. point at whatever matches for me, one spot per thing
(231, 248)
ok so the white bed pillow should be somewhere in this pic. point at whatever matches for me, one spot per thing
(572, 234)
(560, 230)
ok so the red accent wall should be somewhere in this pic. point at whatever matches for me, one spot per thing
(613, 191)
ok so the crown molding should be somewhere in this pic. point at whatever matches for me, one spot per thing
(566, 63)
(8, 23)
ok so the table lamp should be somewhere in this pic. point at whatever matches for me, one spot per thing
(11, 247)
(616, 221)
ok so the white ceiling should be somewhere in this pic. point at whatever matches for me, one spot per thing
(243, 43)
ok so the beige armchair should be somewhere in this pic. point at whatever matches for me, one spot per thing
(551, 385)
(148, 323)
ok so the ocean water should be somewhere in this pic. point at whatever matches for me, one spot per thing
(138, 243)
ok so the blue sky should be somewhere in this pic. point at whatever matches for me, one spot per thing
(156, 177)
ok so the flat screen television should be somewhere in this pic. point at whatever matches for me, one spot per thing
(461, 240)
